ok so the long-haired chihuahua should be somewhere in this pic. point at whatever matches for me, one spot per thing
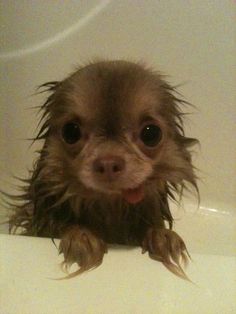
(114, 153)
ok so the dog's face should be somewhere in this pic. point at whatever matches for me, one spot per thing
(114, 129)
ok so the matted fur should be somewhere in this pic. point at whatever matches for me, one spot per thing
(61, 199)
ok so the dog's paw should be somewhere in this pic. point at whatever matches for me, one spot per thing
(81, 246)
(167, 247)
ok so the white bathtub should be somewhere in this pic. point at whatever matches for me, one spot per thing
(127, 281)
(194, 42)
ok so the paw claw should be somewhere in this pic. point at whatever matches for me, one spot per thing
(144, 250)
(167, 247)
(82, 247)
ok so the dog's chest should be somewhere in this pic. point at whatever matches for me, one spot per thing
(114, 222)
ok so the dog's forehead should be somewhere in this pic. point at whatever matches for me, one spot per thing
(110, 97)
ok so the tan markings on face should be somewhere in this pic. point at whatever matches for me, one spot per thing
(111, 106)
(137, 166)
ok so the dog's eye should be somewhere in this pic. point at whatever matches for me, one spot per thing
(71, 132)
(151, 135)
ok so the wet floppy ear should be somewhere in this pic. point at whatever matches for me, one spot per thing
(46, 108)
(179, 170)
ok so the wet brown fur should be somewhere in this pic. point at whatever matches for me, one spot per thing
(110, 99)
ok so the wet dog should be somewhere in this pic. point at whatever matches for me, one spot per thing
(114, 153)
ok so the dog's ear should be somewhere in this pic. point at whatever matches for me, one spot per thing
(177, 168)
(45, 109)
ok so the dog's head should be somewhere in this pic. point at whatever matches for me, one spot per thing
(114, 128)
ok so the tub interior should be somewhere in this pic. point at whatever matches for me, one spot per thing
(195, 45)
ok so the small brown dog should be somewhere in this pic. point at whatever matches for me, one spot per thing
(114, 152)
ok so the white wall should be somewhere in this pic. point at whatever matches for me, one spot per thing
(192, 41)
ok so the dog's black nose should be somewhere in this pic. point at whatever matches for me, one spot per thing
(109, 167)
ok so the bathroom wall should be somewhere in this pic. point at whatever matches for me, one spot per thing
(191, 41)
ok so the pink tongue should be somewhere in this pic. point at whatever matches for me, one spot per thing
(134, 196)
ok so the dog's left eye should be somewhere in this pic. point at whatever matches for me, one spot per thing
(151, 135)
(71, 132)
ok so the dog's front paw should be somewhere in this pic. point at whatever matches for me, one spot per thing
(167, 247)
(81, 246)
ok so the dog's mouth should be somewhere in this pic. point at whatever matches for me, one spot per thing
(134, 196)
(130, 195)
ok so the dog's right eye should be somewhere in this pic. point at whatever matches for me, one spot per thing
(151, 135)
(71, 132)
